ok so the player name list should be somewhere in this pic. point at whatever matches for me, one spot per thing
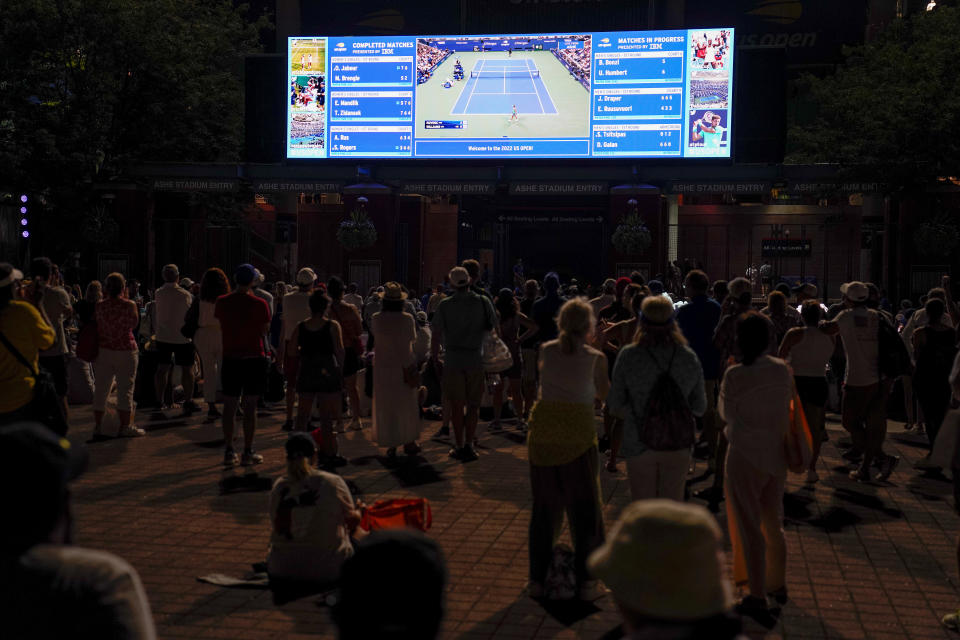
(371, 106)
(637, 139)
(630, 67)
(371, 71)
(347, 141)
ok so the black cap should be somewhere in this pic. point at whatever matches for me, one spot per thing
(35, 466)
(30, 450)
(300, 445)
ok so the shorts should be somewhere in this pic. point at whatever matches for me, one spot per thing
(181, 353)
(243, 376)
(463, 386)
(351, 362)
(529, 372)
(57, 366)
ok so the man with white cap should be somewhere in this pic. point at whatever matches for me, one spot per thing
(459, 324)
(864, 412)
(296, 309)
(663, 560)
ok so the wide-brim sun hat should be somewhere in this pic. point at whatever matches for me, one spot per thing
(855, 291)
(306, 276)
(664, 559)
(393, 291)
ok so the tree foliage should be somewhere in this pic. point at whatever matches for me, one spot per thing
(87, 86)
(890, 112)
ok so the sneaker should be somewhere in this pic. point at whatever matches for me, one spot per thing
(535, 590)
(603, 444)
(356, 424)
(454, 453)
(887, 465)
(779, 595)
(951, 620)
(591, 590)
(250, 458)
(287, 425)
(468, 454)
(812, 477)
(230, 458)
(131, 432)
(752, 606)
(442, 432)
(860, 475)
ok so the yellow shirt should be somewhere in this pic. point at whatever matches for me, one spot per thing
(25, 329)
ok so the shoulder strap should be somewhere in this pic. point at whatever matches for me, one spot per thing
(16, 354)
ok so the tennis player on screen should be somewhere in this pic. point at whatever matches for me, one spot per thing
(513, 116)
(708, 130)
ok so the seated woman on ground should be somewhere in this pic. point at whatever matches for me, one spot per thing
(312, 516)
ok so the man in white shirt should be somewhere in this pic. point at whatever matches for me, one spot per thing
(354, 298)
(864, 412)
(170, 308)
(606, 298)
(296, 309)
(48, 587)
(56, 303)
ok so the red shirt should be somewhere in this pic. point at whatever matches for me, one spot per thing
(242, 317)
(116, 320)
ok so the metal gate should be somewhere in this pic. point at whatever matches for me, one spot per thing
(366, 273)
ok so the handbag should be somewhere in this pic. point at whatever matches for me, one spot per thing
(45, 407)
(496, 355)
(400, 513)
(798, 441)
(88, 342)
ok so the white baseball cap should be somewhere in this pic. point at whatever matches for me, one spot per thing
(306, 276)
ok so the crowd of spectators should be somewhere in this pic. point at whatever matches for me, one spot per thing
(428, 58)
(577, 61)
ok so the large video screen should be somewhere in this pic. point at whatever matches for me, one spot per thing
(634, 94)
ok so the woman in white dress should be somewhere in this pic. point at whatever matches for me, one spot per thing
(396, 415)
(208, 339)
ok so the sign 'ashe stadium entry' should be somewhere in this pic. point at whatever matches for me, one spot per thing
(632, 94)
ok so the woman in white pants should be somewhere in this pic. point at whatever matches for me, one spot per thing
(657, 463)
(117, 356)
(755, 403)
(208, 339)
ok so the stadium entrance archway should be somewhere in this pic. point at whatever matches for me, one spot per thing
(573, 245)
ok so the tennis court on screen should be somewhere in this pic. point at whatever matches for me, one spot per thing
(495, 86)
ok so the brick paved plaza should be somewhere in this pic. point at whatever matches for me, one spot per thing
(865, 561)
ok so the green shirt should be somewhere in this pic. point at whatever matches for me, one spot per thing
(712, 140)
(462, 320)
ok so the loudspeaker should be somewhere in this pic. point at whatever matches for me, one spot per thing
(760, 106)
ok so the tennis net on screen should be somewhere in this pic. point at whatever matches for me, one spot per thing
(506, 73)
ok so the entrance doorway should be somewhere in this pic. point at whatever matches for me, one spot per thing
(572, 249)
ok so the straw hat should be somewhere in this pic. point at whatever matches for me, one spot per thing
(664, 559)
(392, 291)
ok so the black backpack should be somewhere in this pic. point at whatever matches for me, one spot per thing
(668, 424)
(892, 356)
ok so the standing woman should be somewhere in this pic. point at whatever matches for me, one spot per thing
(511, 320)
(807, 350)
(659, 347)
(934, 350)
(208, 338)
(562, 445)
(320, 377)
(117, 357)
(613, 338)
(396, 412)
(755, 403)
